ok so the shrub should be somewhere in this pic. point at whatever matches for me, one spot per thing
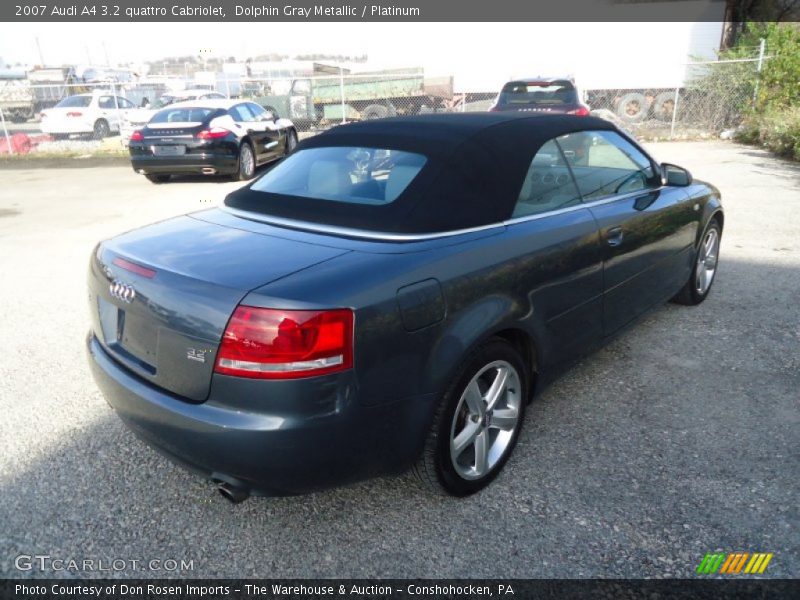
(778, 131)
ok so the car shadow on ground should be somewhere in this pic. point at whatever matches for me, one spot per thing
(677, 438)
(196, 178)
(781, 167)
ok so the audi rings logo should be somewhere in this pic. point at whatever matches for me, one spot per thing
(122, 291)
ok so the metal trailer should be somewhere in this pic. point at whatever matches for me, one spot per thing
(16, 97)
(328, 99)
(51, 85)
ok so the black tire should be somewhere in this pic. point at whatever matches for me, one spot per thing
(157, 178)
(435, 467)
(632, 107)
(291, 142)
(664, 106)
(691, 294)
(375, 111)
(246, 168)
(100, 130)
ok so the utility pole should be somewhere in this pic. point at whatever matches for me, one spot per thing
(39, 48)
(761, 49)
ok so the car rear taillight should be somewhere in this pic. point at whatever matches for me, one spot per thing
(213, 133)
(268, 343)
(74, 113)
(137, 136)
(581, 112)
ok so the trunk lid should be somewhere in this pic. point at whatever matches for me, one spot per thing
(162, 295)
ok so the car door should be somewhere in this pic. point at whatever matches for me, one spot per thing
(274, 137)
(123, 105)
(560, 262)
(107, 108)
(247, 125)
(641, 223)
(256, 130)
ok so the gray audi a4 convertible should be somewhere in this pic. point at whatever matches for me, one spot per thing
(389, 296)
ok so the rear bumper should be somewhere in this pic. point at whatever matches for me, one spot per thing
(190, 163)
(292, 437)
(51, 126)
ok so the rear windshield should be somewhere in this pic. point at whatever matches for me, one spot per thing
(539, 93)
(74, 102)
(182, 114)
(166, 100)
(344, 174)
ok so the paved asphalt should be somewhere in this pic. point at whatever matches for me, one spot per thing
(678, 438)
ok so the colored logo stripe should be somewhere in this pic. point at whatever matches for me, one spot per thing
(733, 563)
(758, 563)
(710, 563)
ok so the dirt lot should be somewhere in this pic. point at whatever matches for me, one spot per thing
(678, 438)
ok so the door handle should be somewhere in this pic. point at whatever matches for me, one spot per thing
(614, 236)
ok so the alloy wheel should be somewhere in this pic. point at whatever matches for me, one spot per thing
(485, 420)
(247, 164)
(707, 261)
(291, 142)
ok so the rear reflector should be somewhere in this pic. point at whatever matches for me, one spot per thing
(268, 343)
(134, 268)
(213, 133)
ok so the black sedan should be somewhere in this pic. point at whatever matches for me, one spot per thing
(390, 296)
(228, 137)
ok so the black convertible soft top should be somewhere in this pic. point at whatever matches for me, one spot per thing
(476, 164)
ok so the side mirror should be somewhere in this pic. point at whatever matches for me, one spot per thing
(675, 175)
(269, 116)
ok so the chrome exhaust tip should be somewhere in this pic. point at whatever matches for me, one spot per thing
(232, 493)
(209, 171)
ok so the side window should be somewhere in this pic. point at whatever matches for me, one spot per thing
(605, 164)
(240, 113)
(258, 112)
(548, 184)
(106, 102)
(124, 102)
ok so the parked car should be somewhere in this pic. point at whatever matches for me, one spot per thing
(390, 296)
(98, 114)
(138, 118)
(541, 95)
(210, 137)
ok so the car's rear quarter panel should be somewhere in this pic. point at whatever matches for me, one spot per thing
(542, 277)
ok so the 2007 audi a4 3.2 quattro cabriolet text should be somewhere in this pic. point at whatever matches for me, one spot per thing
(388, 296)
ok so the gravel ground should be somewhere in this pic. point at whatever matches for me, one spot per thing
(678, 438)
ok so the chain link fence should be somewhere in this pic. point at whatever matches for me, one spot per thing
(713, 99)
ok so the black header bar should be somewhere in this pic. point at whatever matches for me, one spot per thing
(399, 589)
(108, 11)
